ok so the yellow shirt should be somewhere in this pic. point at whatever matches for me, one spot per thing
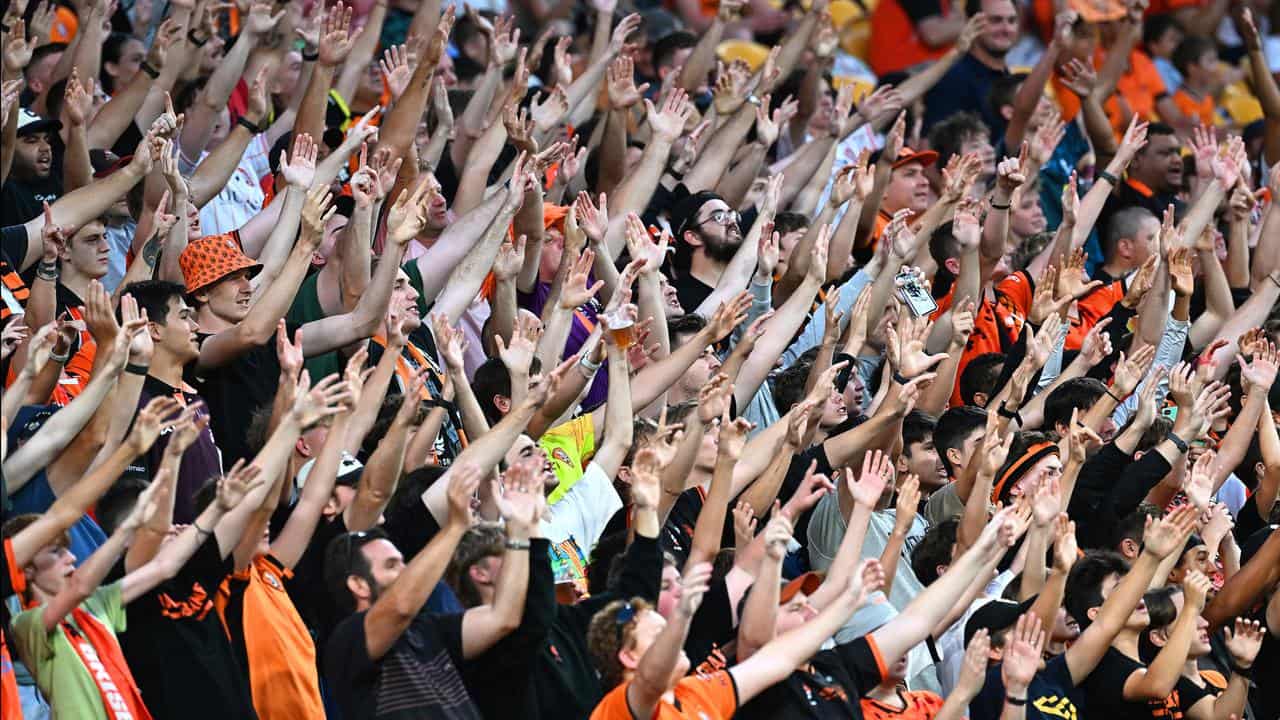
(570, 446)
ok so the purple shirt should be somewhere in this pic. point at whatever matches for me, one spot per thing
(584, 321)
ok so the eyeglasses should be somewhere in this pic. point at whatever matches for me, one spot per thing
(722, 217)
(625, 615)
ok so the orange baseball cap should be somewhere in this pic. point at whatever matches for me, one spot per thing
(807, 583)
(1096, 11)
(207, 260)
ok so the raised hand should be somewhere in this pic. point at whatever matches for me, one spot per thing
(464, 479)
(187, 429)
(1198, 487)
(744, 525)
(973, 672)
(336, 40)
(621, 83)
(646, 478)
(300, 171)
(1195, 590)
(693, 585)
(1244, 642)
(877, 471)
(1261, 370)
(907, 346)
(667, 123)
(237, 484)
(1169, 533)
(150, 421)
(1130, 370)
(728, 316)
(641, 246)
(408, 215)
(77, 101)
(1021, 658)
(777, 535)
(17, 48)
(812, 488)
(575, 291)
(1065, 549)
(521, 501)
(1072, 281)
(547, 114)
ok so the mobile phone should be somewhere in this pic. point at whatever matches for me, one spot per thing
(914, 294)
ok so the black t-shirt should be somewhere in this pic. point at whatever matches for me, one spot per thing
(1104, 691)
(691, 291)
(918, 10)
(200, 462)
(711, 629)
(235, 391)
(307, 590)
(829, 688)
(1265, 696)
(418, 678)
(677, 533)
(178, 650)
(1051, 695)
(22, 201)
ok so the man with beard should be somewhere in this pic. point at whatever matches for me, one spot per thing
(1154, 177)
(710, 233)
(967, 86)
(32, 181)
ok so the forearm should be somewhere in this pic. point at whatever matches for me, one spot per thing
(734, 185)
(217, 90)
(213, 172)
(632, 196)
(473, 419)
(716, 156)
(806, 201)
(54, 436)
(760, 614)
(702, 60)
(438, 262)
(315, 100)
(778, 332)
(761, 493)
(915, 87)
(1237, 262)
(115, 117)
(465, 281)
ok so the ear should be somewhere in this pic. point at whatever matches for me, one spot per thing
(359, 587)
(155, 329)
(980, 399)
(996, 653)
(900, 465)
(479, 574)
(330, 506)
(941, 569)
(628, 658)
(692, 239)
(1259, 469)
(952, 265)
(1093, 613)
(1006, 112)
(1129, 548)
(302, 447)
(955, 457)
(503, 403)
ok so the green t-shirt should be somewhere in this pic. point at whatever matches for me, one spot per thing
(55, 664)
(306, 308)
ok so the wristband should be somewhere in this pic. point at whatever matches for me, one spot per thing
(1241, 671)
(243, 122)
(310, 56)
(149, 70)
(586, 363)
(900, 379)
(1004, 412)
(1177, 441)
(136, 369)
(47, 271)
(1104, 175)
(1016, 702)
(199, 529)
(60, 359)
(517, 545)
(997, 206)
(198, 42)
(1113, 396)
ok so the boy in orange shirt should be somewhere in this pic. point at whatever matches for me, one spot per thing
(1197, 59)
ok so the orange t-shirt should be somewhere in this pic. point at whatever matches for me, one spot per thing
(1204, 108)
(281, 653)
(1140, 86)
(896, 45)
(920, 705)
(699, 697)
(10, 705)
(997, 323)
(1090, 309)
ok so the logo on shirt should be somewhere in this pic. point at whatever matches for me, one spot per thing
(270, 577)
(1056, 706)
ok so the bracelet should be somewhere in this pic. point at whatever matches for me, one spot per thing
(997, 206)
(47, 271)
(310, 56)
(137, 369)
(1113, 396)
(900, 379)
(195, 40)
(1016, 702)
(1005, 412)
(1177, 441)
(517, 545)
(1104, 175)
(60, 359)
(149, 70)
(1273, 279)
(199, 529)
(243, 122)
(586, 363)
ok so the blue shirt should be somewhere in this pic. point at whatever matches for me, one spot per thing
(965, 88)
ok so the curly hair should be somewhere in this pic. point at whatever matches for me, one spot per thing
(606, 637)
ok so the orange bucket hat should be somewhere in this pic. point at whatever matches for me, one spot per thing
(207, 260)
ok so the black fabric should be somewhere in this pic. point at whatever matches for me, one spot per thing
(1125, 195)
(918, 10)
(1111, 486)
(418, 678)
(200, 462)
(829, 688)
(307, 589)
(1104, 688)
(13, 245)
(22, 201)
(178, 650)
(691, 291)
(1051, 696)
(711, 628)
(677, 533)
(1265, 696)
(235, 391)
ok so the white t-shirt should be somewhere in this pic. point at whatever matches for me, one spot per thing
(575, 522)
(242, 197)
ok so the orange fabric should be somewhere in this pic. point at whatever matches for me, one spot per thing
(1161, 7)
(1006, 314)
(1140, 86)
(920, 705)
(65, 25)
(208, 259)
(281, 653)
(100, 652)
(14, 286)
(10, 707)
(700, 697)
(1204, 108)
(897, 45)
(1068, 101)
(1090, 309)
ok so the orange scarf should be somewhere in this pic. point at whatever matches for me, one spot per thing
(101, 655)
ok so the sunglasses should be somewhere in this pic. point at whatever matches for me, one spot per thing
(625, 615)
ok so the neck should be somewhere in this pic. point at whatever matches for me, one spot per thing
(887, 692)
(1191, 671)
(74, 281)
(1198, 88)
(1117, 268)
(704, 268)
(166, 368)
(1127, 643)
(210, 322)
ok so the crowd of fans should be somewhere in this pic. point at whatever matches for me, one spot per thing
(908, 359)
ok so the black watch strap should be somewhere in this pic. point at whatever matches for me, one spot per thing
(1177, 442)
(243, 122)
